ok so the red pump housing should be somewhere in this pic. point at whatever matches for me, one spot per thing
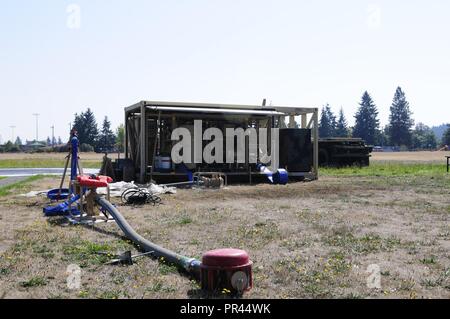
(229, 269)
(99, 181)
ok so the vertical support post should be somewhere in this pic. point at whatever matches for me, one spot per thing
(304, 120)
(174, 126)
(74, 159)
(126, 135)
(292, 121)
(143, 141)
(316, 143)
(158, 128)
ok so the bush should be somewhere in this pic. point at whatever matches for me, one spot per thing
(404, 148)
(11, 148)
(86, 148)
(63, 149)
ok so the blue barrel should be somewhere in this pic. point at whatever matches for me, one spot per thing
(281, 177)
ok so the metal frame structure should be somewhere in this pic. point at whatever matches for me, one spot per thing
(137, 116)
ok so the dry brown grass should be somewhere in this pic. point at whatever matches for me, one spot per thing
(404, 157)
(307, 240)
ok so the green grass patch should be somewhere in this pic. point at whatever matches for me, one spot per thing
(166, 269)
(185, 220)
(87, 252)
(43, 163)
(19, 186)
(429, 261)
(34, 282)
(387, 169)
(369, 243)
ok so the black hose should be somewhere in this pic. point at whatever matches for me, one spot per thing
(191, 265)
(140, 196)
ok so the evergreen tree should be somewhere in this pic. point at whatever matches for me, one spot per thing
(327, 125)
(11, 148)
(49, 141)
(120, 138)
(107, 138)
(446, 137)
(366, 120)
(400, 121)
(59, 140)
(18, 141)
(53, 141)
(341, 126)
(86, 125)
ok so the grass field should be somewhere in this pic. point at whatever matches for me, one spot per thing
(44, 160)
(307, 240)
(93, 160)
(19, 186)
(388, 169)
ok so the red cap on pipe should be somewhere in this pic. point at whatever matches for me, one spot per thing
(227, 257)
(226, 269)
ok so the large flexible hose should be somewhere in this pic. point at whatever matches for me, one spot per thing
(191, 265)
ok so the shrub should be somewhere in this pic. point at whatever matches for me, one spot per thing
(86, 148)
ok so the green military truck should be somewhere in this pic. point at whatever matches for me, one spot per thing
(344, 152)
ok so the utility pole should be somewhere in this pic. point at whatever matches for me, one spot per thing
(37, 126)
(53, 135)
(12, 133)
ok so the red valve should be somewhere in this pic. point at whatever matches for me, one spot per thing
(99, 181)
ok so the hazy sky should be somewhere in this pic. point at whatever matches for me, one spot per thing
(57, 58)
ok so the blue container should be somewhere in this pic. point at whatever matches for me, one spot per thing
(281, 177)
(54, 194)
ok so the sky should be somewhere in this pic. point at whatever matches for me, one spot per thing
(59, 57)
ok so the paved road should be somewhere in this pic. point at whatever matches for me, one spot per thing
(26, 172)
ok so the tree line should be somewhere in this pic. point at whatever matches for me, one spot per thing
(93, 138)
(401, 131)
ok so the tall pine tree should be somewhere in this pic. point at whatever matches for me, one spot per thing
(366, 120)
(107, 138)
(86, 125)
(400, 121)
(327, 124)
(18, 141)
(341, 126)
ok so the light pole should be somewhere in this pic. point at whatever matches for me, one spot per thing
(53, 135)
(37, 126)
(12, 133)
